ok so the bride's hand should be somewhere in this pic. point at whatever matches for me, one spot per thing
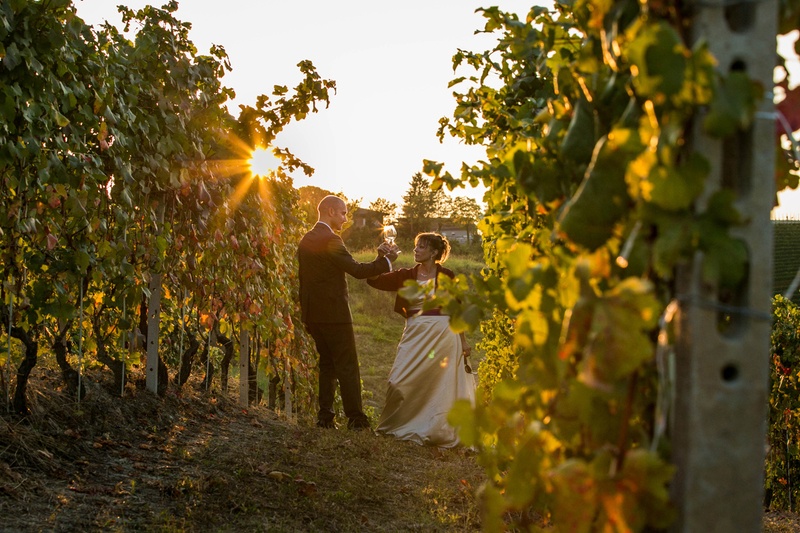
(466, 349)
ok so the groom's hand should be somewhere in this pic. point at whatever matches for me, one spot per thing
(393, 252)
(383, 249)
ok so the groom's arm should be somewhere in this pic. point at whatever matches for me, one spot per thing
(343, 260)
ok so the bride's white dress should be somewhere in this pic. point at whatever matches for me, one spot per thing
(427, 378)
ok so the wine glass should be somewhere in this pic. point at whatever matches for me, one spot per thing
(389, 234)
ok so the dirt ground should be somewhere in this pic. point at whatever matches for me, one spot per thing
(198, 462)
(195, 461)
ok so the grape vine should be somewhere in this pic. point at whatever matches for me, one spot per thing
(591, 207)
(120, 165)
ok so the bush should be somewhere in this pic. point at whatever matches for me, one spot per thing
(362, 238)
(782, 467)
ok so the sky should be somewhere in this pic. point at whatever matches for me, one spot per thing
(391, 62)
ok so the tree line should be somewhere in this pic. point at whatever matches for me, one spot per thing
(423, 209)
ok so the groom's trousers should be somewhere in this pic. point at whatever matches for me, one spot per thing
(338, 361)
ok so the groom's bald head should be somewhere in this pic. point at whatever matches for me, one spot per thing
(332, 211)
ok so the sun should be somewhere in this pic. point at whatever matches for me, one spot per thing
(262, 162)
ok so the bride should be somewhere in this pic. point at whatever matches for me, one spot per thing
(430, 370)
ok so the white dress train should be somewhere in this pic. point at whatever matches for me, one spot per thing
(427, 378)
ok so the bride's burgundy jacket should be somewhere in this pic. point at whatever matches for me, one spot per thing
(393, 281)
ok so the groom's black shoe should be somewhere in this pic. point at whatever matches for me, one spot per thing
(360, 426)
(327, 425)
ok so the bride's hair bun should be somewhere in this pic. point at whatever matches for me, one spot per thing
(439, 243)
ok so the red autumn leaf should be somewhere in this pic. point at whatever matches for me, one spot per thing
(218, 235)
(52, 240)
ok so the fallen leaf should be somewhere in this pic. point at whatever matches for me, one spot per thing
(280, 476)
(307, 488)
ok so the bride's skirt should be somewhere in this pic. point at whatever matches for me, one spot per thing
(427, 378)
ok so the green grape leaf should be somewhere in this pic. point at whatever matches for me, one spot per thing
(725, 261)
(82, 259)
(602, 199)
(676, 188)
(61, 120)
(659, 58)
(462, 416)
(733, 105)
(579, 141)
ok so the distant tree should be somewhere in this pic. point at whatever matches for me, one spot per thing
(420, 204)
(387, 208)
(309, 199)
(352, 206)
(466, 212)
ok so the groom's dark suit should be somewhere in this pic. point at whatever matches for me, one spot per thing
(324, 301)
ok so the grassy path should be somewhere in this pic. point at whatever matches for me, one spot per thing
(200, 463)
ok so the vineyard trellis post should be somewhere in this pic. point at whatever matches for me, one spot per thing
(154, 314)
(153, 322)
(8, 357)
(244, 369)
(723, 339)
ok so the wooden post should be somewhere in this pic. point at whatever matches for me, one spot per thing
(153, 323)
(287, 390)
(722, 353)
(8, 358)
(244, 369)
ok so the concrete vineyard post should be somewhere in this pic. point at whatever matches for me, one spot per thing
(244, 369)
(723, 337)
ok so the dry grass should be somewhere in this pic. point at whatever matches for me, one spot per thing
(197, 462)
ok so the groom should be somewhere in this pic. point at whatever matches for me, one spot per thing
(324, 260)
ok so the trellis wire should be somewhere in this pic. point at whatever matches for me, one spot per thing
(622, 259)
(664, 355)
(665, 365)
(80, 345)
